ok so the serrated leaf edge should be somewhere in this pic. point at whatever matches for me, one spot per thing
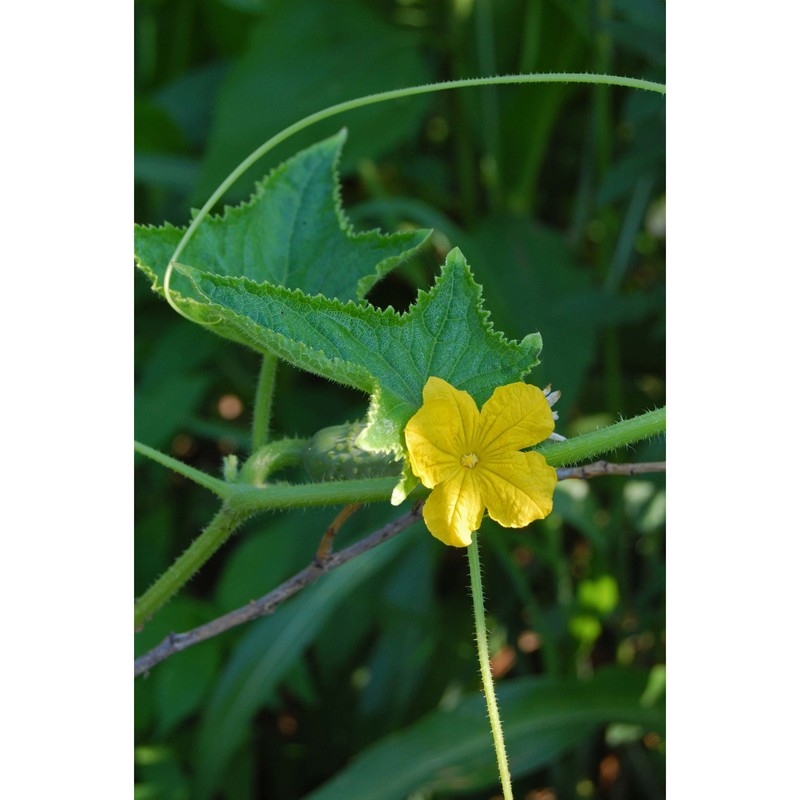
(364, 283)
(301, 349)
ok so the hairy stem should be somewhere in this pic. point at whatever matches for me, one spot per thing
(174, 643)
(486, 672)
(220, 488)
(243, 500)
(250, 499)
(262, 410)
(199, 551)
(620, 434)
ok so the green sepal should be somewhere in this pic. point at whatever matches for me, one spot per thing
(407, 483)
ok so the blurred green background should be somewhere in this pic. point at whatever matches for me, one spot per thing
(367, 684)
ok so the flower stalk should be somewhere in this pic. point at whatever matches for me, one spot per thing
(481, 638)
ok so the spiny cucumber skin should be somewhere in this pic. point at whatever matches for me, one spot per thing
(332, 455)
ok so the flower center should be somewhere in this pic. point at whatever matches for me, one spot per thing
(469, 460)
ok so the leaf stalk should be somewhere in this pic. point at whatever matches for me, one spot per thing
(262, 410)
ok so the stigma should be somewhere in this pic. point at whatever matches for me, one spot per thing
(469, 460)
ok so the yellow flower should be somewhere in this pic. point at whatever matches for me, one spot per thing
(472, 462)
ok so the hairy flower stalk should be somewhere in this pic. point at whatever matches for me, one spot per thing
(476, 585)
(472, 462)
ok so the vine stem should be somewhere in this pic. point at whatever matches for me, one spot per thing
(253, 498)
(199, 551)
(242, 501)
(220, 488)
(262, 407)
(476, 584)
(325, 561)
(604, 440)
(176, 642)
(381, 97)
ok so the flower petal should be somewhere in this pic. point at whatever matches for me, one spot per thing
(514, 417)
(454, 509)
(440, 432)
(517, 488)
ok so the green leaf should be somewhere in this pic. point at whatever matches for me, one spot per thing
(292, 232)
(451, 751)
(389, 355)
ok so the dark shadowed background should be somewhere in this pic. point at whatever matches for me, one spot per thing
(555, 195)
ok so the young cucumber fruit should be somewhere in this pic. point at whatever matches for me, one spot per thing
(332, 455)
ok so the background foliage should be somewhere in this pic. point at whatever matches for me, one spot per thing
(555, 196)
